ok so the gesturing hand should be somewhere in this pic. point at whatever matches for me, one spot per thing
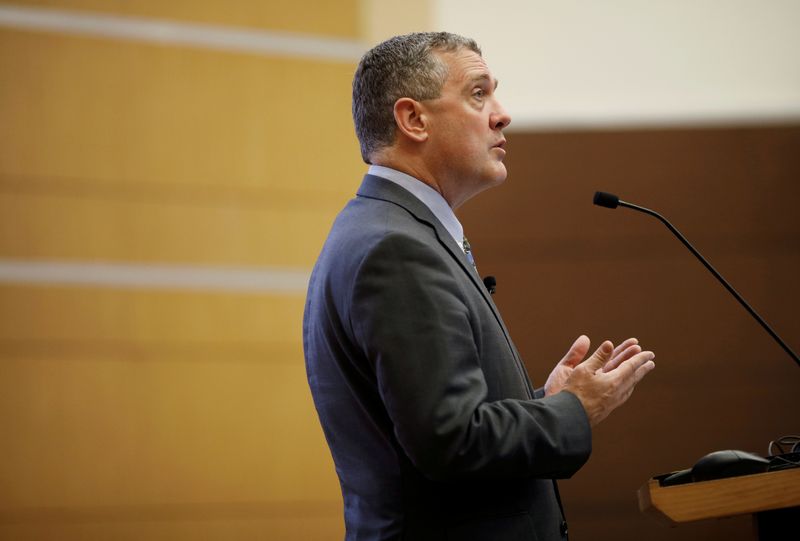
(576, 353)
(602, 384)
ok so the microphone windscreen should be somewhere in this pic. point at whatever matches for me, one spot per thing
(605, 199)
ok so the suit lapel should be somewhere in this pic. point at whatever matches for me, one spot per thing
(379, 188)
(386, 190)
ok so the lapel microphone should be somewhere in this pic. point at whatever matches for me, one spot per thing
(490, 283)
(611, 201)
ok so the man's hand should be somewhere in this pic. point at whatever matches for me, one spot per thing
(606, 379)
(561, 373)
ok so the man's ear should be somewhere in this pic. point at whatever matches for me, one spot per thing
(411, 119)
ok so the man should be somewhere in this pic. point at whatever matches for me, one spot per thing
(434, 426)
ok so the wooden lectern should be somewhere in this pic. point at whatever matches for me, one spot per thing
(772, 498)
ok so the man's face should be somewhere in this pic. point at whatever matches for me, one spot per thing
(465, 129)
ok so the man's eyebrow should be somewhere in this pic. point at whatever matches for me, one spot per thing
(483, 77)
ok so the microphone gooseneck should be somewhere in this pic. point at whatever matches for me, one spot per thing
(607, 200)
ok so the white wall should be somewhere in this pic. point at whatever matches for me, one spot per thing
(587, 63)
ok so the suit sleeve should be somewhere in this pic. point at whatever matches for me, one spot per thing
(410, 316)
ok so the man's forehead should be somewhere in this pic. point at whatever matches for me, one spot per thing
(466, 66)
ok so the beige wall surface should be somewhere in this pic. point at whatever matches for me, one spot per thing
(575, 65)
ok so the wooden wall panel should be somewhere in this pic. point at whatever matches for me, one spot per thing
(153, 413)
(83, 109)
(161, 432)
(130, 151)
(565, 267)
(280, 229)
(338, 19)
(136, 412)
(148, 317)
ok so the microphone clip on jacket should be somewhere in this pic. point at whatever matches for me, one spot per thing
(490, 282)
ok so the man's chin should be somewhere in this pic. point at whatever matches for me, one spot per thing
(500, 175)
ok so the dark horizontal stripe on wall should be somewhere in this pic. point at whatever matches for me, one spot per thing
(150, 351)
(171, 193)
(171, 512)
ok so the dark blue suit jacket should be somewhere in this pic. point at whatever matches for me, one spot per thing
(430, 416)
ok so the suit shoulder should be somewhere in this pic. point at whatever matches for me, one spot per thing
(365, 224)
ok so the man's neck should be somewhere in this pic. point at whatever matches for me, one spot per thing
(419, 171)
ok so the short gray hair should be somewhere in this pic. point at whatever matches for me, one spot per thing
(400, 67)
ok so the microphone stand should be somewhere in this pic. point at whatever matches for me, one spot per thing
(607, 200)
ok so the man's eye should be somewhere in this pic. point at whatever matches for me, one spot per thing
(478, 93)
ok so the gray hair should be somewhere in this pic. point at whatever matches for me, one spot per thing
(400, 67)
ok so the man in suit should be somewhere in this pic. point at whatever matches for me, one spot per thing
(435, 429)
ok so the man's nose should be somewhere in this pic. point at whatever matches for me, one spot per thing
(499, 118)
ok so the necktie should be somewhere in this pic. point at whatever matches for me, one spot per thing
(468, 253)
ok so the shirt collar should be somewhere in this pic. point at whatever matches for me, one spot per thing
(430, 197)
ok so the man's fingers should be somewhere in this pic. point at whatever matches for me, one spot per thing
(634, 364)
(643, 370)
(621, 357)
(623, 346)
(577, 351)
(600, 357)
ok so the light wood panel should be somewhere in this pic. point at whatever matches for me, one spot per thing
(95, 433)
(130, 398)
(104, 110)
(112, 150)
(339, 19)
(152, 230)
(722, 497)
(136, 413)
(107, 315)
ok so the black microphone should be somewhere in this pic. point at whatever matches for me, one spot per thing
(491, 284)
(611, 201)
(604, 199)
